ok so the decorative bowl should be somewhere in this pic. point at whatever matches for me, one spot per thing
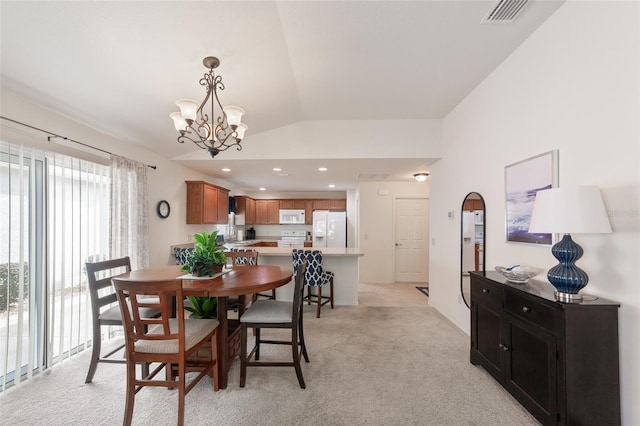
(519, 273)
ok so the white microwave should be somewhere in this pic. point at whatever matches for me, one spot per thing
(291, 217)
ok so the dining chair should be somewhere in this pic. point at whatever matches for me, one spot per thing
(181, 254)
(275, 314)
(252, 261)
(105, 310)
(240, 258)
(315, 277)
(164, 340)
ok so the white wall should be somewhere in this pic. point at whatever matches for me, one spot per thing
(376, 205)
(167, 182)
(572, 86)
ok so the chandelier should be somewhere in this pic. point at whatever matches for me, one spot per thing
(219, 134)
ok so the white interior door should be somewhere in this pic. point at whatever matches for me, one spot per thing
(412, 240)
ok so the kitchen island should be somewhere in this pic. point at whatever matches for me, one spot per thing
(343, 262)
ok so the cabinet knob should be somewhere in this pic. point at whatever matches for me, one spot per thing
(526, 309)
(485, 290)
(503, 347)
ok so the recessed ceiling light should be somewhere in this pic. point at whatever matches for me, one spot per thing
(225, 169)
(332, 186)
(263, 189)
(277, 169)
(322, 169)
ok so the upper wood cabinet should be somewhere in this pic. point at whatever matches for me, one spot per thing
(267, 212)
(245, 210)
(333, 204)
(321, 204)
(294, 203)
(470, 205)
(206, 203)
(339, 205)
(308, 212)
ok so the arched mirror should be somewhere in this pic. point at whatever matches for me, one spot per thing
(472, 253)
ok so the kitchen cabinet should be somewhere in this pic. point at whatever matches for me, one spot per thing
(206, 203)
(294, 203)
(338, 205)
(471, 205)
(308, 212)
(263, 244)
(321, 204)
(333, 204)
(267, 212)
(245, 210)
(560, 361)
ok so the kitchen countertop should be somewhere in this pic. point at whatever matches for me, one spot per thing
(280, 251)
(327, 252)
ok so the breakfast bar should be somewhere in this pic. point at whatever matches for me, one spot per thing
(343, 262)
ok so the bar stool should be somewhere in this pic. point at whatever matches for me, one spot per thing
(315, 276)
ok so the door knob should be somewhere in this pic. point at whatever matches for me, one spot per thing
(398, 244)
(503, 347)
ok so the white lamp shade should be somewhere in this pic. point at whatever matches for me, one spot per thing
(188, 109)
(421, 177)
(234, 115)
(570, 210)
(240, 130)
(178, 121)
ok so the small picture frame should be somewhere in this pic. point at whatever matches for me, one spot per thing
(522, 181)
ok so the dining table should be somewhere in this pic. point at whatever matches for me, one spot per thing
(240, 281)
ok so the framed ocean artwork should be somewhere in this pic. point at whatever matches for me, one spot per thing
(522, 181)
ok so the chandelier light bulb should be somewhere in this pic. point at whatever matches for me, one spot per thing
(234, 115)
(178, 121)
(188, 109)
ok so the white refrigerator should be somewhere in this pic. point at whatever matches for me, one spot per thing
(329, 229)
(468, 242)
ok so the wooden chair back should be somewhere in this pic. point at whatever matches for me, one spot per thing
(101, 291)
(136, 325)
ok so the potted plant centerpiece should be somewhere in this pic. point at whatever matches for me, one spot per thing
(207, 258)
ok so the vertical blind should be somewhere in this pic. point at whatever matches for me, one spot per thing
(54, 218)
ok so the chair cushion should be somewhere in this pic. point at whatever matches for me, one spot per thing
(268, 311)
(315, 275)
(244, 260)
(194, 331)
(181, 254)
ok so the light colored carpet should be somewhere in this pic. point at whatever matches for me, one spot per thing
(375, 365)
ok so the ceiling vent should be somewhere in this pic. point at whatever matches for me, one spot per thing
(372, 176)
(504, 11)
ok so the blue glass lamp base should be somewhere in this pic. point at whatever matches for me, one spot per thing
(566, 277)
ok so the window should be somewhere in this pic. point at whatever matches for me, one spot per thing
(57, 219)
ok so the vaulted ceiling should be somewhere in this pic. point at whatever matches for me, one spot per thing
(119, 66)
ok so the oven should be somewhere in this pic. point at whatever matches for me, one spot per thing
(292, 239)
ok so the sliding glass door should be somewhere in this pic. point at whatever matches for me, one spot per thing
(54, 218)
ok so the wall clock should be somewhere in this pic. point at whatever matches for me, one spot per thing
(163, 209)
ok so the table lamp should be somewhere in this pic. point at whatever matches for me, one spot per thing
(577, 210)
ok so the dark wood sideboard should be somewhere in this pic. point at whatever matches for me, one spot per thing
(560, 361)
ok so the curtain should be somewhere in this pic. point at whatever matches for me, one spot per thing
(129, 217)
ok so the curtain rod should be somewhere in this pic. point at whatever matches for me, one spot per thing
(55, 135)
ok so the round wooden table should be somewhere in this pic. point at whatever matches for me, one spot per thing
(240, 281)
